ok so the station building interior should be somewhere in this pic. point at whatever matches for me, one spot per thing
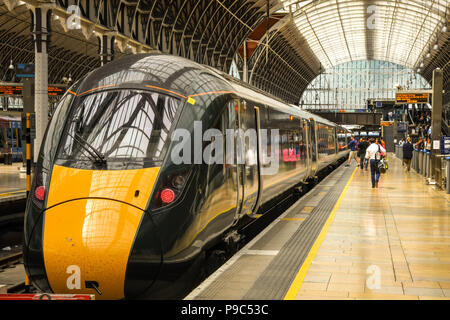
(339, 189)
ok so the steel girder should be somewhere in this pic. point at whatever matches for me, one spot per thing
(207, 31)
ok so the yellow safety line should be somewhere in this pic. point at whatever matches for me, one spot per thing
(12, 192)
(293, 219)
(297, 283)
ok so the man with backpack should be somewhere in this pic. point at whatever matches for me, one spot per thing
(373, 153)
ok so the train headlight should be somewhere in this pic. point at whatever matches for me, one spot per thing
(38, 190)
(39, 193)
(170, 189)
(167, 195)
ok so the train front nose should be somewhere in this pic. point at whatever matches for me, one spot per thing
(90, 227)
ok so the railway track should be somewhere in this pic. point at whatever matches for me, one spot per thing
(11, 260)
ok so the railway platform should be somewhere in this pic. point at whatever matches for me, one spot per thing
(12, 182)
(12, 193)
(345, 240)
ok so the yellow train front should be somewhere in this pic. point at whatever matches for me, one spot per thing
(113, 213)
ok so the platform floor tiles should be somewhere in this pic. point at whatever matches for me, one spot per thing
(391, 242)
(11, 179)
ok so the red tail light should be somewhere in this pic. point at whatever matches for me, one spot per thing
(39, 193)
(167, 195)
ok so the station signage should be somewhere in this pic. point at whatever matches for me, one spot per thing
(10, 90)
(411, 98)
(7, 90)
(55, 91)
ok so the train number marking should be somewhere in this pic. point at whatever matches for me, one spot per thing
(74, 280)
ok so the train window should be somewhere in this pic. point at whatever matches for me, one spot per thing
(127, 129)
(293, 143)
(54, 129)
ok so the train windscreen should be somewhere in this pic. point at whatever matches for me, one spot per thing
(121, 129)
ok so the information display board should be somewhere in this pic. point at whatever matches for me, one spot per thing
(445, 145)
(7, 90)
(10, 90)
(24, 70)
(55, 91)
(411, 98)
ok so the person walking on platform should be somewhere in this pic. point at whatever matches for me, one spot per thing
(353, 146)
(407, 153)
(362, 147)
(373, 153)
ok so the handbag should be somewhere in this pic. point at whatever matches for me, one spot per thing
(382, 165)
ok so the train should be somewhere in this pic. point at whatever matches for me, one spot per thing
(10, 139)
(150, 161)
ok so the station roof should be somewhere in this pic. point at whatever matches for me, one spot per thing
(399, 31)
(299, 40)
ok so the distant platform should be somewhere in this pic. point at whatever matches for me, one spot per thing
(12, 182)
(346, 240)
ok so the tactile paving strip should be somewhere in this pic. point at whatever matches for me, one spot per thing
(276, 279)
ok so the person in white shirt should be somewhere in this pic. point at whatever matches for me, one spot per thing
(373, 154)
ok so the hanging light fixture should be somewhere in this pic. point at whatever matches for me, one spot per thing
(422, 64)
(429, 52)
(436, 45)
(11, 66)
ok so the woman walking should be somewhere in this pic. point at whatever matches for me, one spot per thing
(373, 153)
(407, 153)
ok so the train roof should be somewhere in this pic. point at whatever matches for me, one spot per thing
(175, 74)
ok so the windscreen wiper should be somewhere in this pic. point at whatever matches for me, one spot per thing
(97, 155)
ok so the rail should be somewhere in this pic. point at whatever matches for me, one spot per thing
(8, 261)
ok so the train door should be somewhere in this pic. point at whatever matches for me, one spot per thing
(249, 154)
(313, 145)
(306, 128)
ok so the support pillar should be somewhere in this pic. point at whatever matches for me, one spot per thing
(41, 30)
(436, 124)
(106, 48)
(245, 67)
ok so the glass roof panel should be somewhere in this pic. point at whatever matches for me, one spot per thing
(338, 31)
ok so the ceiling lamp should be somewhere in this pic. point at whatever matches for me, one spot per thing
(11, 66)
(436, 45)
(422, 64)
(429, 53)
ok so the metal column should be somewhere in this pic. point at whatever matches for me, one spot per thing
(106, 48)
(436, 124)
(41, 31)
(421, 162)
(448, 175)
(245, 67)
